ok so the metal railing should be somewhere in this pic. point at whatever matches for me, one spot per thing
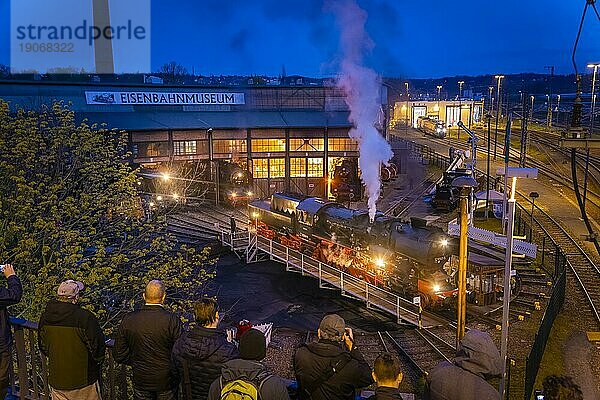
(29, 367)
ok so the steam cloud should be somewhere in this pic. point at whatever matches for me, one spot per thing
(361, 85)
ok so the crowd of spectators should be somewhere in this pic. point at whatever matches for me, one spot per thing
(169, 362)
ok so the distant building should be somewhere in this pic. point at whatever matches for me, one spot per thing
(471, 112)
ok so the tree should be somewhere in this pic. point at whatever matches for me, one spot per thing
(70, 209)
(173, 73)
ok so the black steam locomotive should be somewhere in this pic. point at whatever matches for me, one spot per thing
(406, 258)
(235, 183)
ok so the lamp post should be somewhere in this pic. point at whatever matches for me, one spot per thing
(439, 89)
(498, 111)
(587, 150)
(558, 109)
(595, 66)
(533, 195)
(491, 106)
(465, 184)
(531, 111)
(407, 98)
(487, 167)
(460, 85)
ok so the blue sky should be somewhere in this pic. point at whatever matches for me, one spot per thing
(415, 39)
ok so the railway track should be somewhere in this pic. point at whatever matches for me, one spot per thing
(584, 269)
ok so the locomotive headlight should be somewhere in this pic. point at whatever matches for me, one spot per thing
(436, 288)
(233, 194)
(379, 262)
(239, 175)
(444, 242)
(249, 193)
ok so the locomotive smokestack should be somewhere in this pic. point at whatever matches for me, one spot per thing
(361, 85)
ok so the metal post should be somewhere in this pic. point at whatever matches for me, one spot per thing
(506, 159)
(465, 184)
(487, 167)
(506, 295)
(498, 110)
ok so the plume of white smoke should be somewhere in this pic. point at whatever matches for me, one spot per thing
(361, 85)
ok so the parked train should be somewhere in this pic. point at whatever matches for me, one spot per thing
(431, 126)
(346, 184)
(405, 258)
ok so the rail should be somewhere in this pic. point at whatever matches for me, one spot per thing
(29, 367)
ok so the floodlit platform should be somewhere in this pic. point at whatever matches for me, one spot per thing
(259, 248)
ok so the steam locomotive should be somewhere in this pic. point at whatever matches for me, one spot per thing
(405, 258)
(346, 184)
(235, 183)
(431, 126)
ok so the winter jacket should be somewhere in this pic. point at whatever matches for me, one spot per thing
(316, 360)
(8, 296)
(477, 359)
(386, 393)
(203, 351)
(145, 340)
(72, 340)
(272, 387)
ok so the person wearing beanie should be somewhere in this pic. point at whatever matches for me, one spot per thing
(248, 369)
(332, 367)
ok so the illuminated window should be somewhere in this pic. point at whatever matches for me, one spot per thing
(342, 144)
(154, 149)
(268, 145)
(260, 168)
(184, 147)
(229, 146)
(276, 168)
(315, 167)
(315, 144)
(297, 167)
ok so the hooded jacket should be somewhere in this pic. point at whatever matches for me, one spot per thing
(72, 340)
(477, 359)
(272, 387)
(203, 351)
(8, 296)
(316, 360)
(145, 340)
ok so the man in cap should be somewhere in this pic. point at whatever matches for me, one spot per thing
(332, 367)
(72, 340)
(8, 296)
(247, 376)
(145, 340)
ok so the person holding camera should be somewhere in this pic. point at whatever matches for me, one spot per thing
(8, 296)
(332, 367)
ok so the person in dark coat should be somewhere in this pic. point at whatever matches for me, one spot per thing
(388, 375)
(199, 355)
(332, 367)
(476, 360)
(8, 296)
(72, 339)
(253, 348)
(145, 340)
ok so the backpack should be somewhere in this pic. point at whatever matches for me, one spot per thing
(242, 389)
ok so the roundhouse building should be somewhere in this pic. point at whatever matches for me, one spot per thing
(288, 138)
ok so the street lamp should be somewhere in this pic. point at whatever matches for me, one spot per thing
(439, 89)
(531, 110)
(460, 85)
(407, 98)
(491, 106)
(558, 110)
(533, 195)
(595, 66)
(465, 184)
(498, 111)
